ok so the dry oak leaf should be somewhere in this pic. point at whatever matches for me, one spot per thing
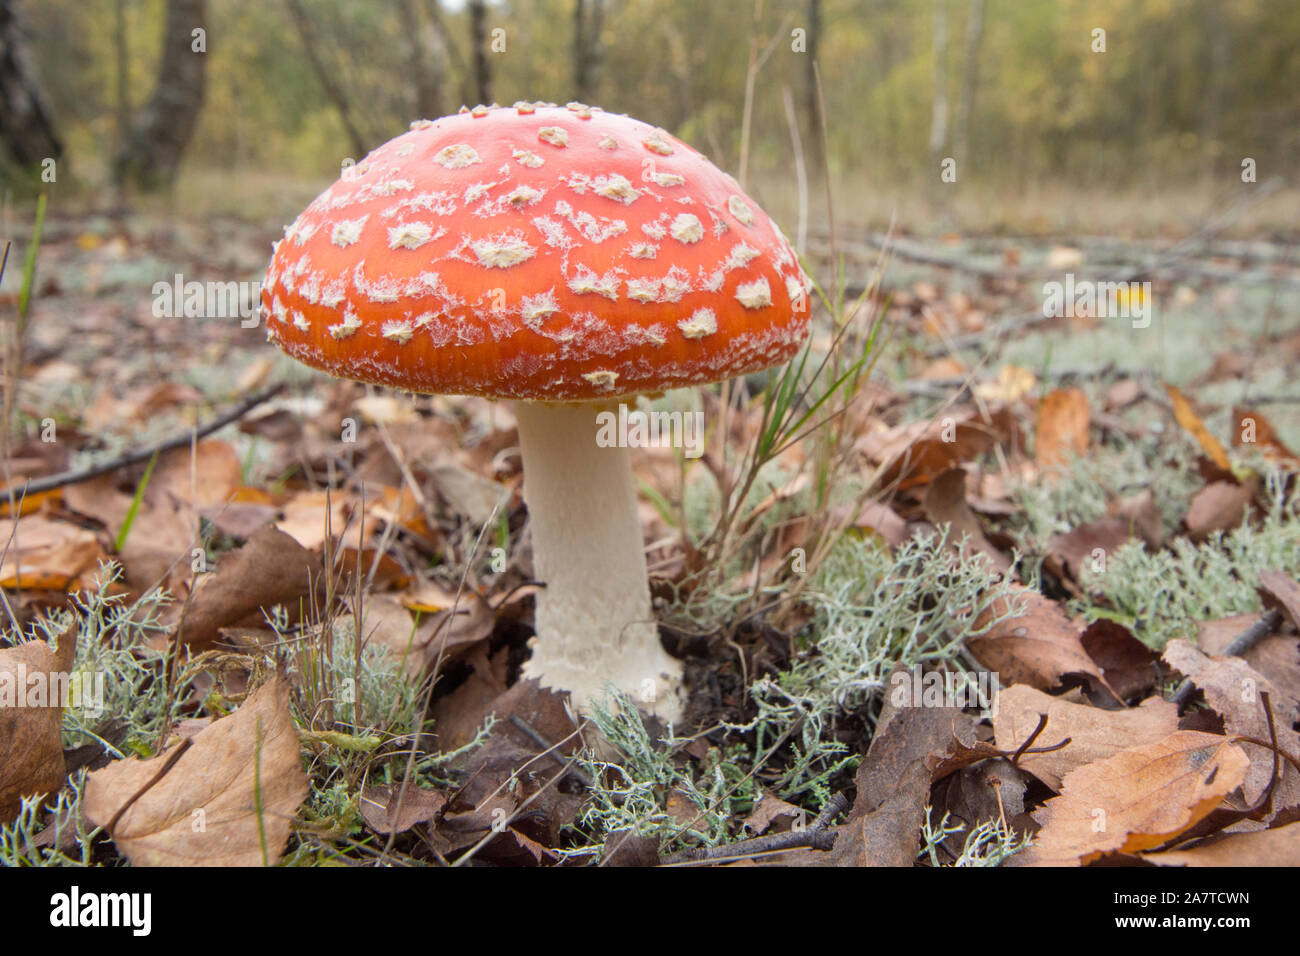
(1129, 666)
(1219, 506)
(1095, 734)
(945, 503)
(772, 810)
(306, 515)
(1137, 799)
(206, 809)
(31, 751)
(270, 569)
(1277, 847)
(1232, 687)
(1070, 552)
(1277, 656)
(1037, 648)
(379, 807)
(915, 453)
(893, 781)
(46, 555)
(1063, 418)
(205, 475)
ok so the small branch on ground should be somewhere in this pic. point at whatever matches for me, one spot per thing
(814, 836)
(137, 455)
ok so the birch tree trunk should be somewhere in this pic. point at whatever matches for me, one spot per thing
(939, 105)
(151, 155)
(333, 92)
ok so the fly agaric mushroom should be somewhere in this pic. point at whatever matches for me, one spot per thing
(563, 258)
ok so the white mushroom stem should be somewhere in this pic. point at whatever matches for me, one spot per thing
(594, 622)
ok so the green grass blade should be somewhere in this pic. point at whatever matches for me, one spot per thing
(29, 264)
(660, 503)
(135, 504)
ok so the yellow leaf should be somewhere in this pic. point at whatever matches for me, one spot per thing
(1192, 424)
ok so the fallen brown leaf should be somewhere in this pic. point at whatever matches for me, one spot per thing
(1232, 687)
(993, 790)
(228, 800)
(1250, 427)
(389, 623)
(893, 780)
(1094, 541)
(306, 514)
(1278, 847)
(47, 555)
(1219, 506)
(496, 778)
(379, 807)
(883, 520)
(1095, 734)
(31, 751)
(945, 503)
(239, 520)
(1038, 648)
(460, 714)
(157, 548)
(962, 753)
(271, 568)
(1143, 515)
(1277, 656)
(915, 454)
(1129, 666)
(1063, 418)
(769, 811)
(624, 848)
(205, 476)
(1135, 800)
(466, 493)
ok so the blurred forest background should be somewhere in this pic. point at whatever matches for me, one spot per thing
(1052, 126)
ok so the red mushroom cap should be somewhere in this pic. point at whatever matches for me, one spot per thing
(535, 252)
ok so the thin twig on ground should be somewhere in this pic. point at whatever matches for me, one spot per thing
(814, 836)
(137, 455)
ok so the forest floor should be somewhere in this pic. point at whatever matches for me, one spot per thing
(1028, 571)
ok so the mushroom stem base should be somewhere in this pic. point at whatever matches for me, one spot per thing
(594, 621)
